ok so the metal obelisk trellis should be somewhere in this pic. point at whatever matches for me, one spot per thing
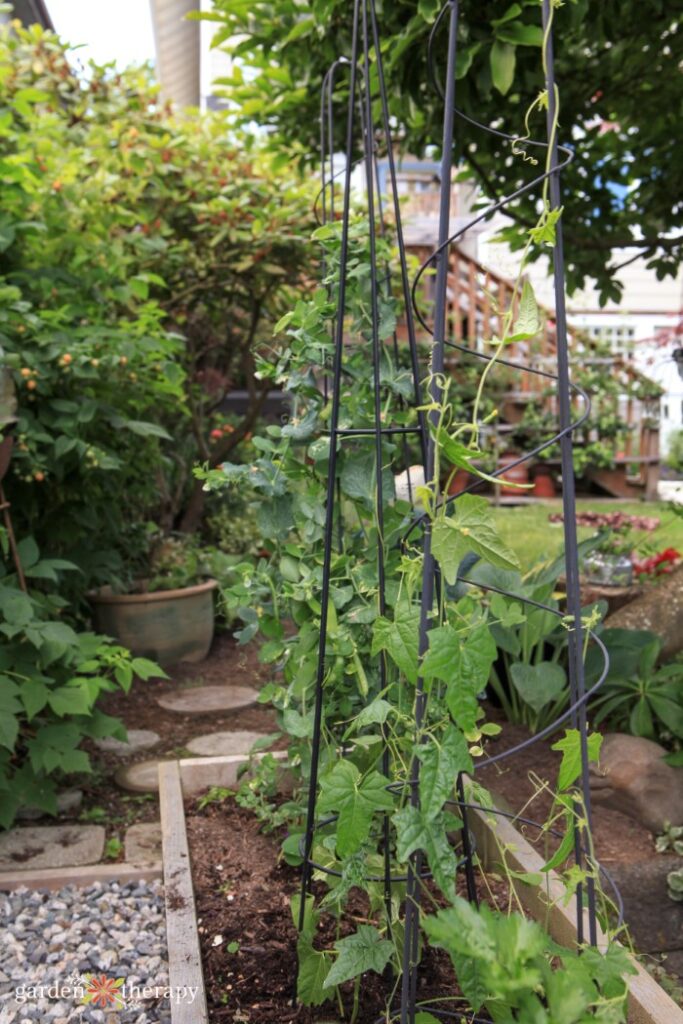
(361, 105)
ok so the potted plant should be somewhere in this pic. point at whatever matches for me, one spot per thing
(168, 614)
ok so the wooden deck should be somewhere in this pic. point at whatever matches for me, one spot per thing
(478, 301)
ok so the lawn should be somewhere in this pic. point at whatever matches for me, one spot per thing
(526, 529)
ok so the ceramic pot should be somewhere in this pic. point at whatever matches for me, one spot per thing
(167, 625)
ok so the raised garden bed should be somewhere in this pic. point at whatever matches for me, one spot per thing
(243, 935)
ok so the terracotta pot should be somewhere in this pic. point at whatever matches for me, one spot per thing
(518, 475)
(460, 481)
(167, 625)
(544, 483)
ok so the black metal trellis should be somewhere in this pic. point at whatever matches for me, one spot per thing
(362, 102)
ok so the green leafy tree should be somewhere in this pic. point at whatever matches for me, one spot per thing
(616, 65)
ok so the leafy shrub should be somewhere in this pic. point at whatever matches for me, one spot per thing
(50, 680)
(142, 263)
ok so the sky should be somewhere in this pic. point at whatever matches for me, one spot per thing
(120, 31)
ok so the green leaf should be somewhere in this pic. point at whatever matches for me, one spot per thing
(69, 700)
(9, 730)
(359, 480)
(144, 429)
(16, 608)
(443, 653)
(146, 669)
(570, 747)
(502, 66)
(356, 799)
(471, 529)
(528, 322)
(59, 633)
(364, 951)
(539, 684)
(400, 639)
(314, 966)
(415, 832)
(375, 713)
(440, 767)
(518, 34)
(34, 696)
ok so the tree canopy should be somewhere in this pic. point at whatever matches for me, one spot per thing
(618, 71)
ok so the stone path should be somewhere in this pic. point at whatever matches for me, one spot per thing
(138, 740)
(220, 744)
(141, 777)
(205, 700)
(142, 843)
(51, 846)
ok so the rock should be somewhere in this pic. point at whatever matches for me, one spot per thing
(660, 609)
(51, 846)
(207, 700)
(142, 843)
(141, 777)
(67, 800)
(655, 921)
(219, 744)
(632, 778)
(138, 739)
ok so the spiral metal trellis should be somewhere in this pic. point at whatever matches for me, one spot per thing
(366, 94)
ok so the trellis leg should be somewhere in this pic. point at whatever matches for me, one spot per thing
(576, 671)
(412, 921)
(331, 482)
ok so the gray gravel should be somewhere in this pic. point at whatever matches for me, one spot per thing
(54, 939)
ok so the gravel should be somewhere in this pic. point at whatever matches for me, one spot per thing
(52, 940)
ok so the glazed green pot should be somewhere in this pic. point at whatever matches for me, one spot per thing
(167, 625)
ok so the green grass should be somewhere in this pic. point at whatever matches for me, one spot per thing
(526, 529)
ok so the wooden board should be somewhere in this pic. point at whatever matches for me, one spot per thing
(184, 958)
(56, 878)
(499, 841)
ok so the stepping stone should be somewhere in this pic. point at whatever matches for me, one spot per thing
(141, 777)
(220, 744)
(142, 843)
(51, 846)
(138, 739)
(208, 700)
(67, 800)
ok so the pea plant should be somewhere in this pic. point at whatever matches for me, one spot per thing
(278, 599)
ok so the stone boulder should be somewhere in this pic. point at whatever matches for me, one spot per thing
(659, 609)
(631, 777)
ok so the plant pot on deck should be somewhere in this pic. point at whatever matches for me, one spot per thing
(511, 480)
(544, 481)
(166, 625)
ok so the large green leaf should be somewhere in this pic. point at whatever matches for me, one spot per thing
(502, 66)
(400, 639)
(359, 480)
(540, 684)
(440, 765)
(471, 529)
(364, 951)
(356, 798)
(528, 322)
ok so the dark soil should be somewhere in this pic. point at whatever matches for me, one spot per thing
(242, 892)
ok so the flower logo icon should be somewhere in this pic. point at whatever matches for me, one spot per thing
(104, 992)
